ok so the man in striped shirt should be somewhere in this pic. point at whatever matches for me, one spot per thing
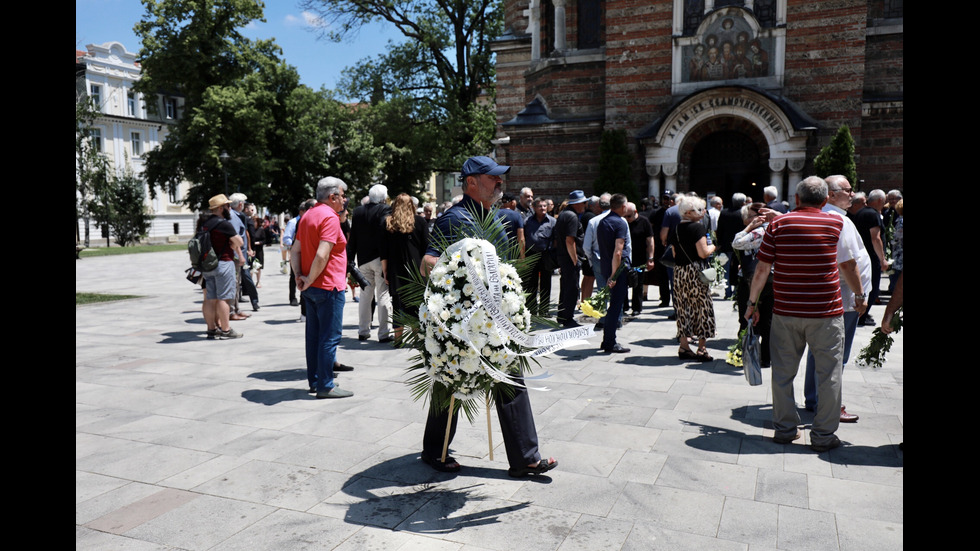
(809, 258)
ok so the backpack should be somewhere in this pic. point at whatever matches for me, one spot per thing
(199, 248)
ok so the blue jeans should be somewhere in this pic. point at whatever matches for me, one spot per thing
(810, 377)
(324, 321)
(617, 298)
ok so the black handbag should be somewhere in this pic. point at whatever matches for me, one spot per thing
(667, 259)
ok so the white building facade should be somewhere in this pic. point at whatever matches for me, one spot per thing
(127, 129)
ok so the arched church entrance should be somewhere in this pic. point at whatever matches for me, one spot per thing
(724, 162)
(724, 140)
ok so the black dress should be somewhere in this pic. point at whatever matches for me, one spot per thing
(403, 253)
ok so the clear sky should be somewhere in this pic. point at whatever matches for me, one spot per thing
(318, 61)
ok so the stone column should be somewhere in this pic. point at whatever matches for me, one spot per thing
(533, 13)
(670, 171)
(653, 182)
(559, 25)
(776, 167)
(795, 175)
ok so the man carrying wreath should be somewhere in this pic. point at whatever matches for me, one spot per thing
(482, 187)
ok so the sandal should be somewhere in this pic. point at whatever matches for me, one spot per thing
(686, 354)
(541, 468)
(702, 356)
(450, 466)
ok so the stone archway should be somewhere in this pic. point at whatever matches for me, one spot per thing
(780, 133)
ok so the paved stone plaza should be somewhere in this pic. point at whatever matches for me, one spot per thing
(185, 443)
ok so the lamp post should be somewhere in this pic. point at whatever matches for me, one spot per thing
(224, 165)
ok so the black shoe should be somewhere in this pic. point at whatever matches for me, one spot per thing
(615, 349)
(820, 448)
(341, 367)
(599, 326)
(672, 317)
(293, 302)
(869, 322)
(570, 324)
(389, 338)
(363, 337)
(255, 305)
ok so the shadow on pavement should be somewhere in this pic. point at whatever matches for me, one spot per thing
(403, 493)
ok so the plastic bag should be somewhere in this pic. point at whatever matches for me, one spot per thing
(751, 357)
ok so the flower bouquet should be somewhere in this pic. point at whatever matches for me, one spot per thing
(734, 355)
(470, 333)
(595, 306)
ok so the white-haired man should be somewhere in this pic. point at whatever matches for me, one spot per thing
(839, 198)
(243, 275)
(809, 259)
(770, 195)
(319, 259)
(366, 234)
(524, 205)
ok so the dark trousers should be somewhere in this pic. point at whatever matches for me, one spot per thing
(875, 285)
(248, 287)
(765, 305)
(568, 290)
(538, 287)
(617, 298)
(516, 425)
(636, 297)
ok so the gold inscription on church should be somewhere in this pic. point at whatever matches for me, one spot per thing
(760, 112)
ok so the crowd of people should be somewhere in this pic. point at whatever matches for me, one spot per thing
(804, 277)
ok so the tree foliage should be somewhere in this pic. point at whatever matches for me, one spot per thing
(838, 157)
(239, 98)
(436, 78)
(92, 172)
(615, 166)
(130, 217)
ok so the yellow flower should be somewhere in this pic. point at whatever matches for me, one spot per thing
(588, 310)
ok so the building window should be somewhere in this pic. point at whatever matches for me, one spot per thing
(693, 14)
(131, 103)
(95, 135)
(134, 138)
(589, 19)
(95, 92)
(765, 13)
(894, 8)
(170, 106)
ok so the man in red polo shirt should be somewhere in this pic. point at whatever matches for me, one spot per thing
(804, 246)
(319, 260)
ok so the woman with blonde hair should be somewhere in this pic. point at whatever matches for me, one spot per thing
(695, 310)
(401, 252)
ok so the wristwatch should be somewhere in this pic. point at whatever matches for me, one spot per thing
(861, 296)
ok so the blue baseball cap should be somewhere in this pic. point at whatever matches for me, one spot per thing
(577, 197)
(482, 165)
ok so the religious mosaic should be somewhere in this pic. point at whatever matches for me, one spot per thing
(727, 50)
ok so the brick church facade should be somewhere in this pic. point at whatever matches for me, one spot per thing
(715, 96)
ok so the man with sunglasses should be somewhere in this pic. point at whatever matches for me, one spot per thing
(319, 260)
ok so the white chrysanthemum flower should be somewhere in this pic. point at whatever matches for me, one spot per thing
(511, 303)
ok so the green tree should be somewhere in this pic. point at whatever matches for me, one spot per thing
(92, 172)
(838, 157)
(438, 77)
(240, 99)
(130, 217)
(615, 166)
